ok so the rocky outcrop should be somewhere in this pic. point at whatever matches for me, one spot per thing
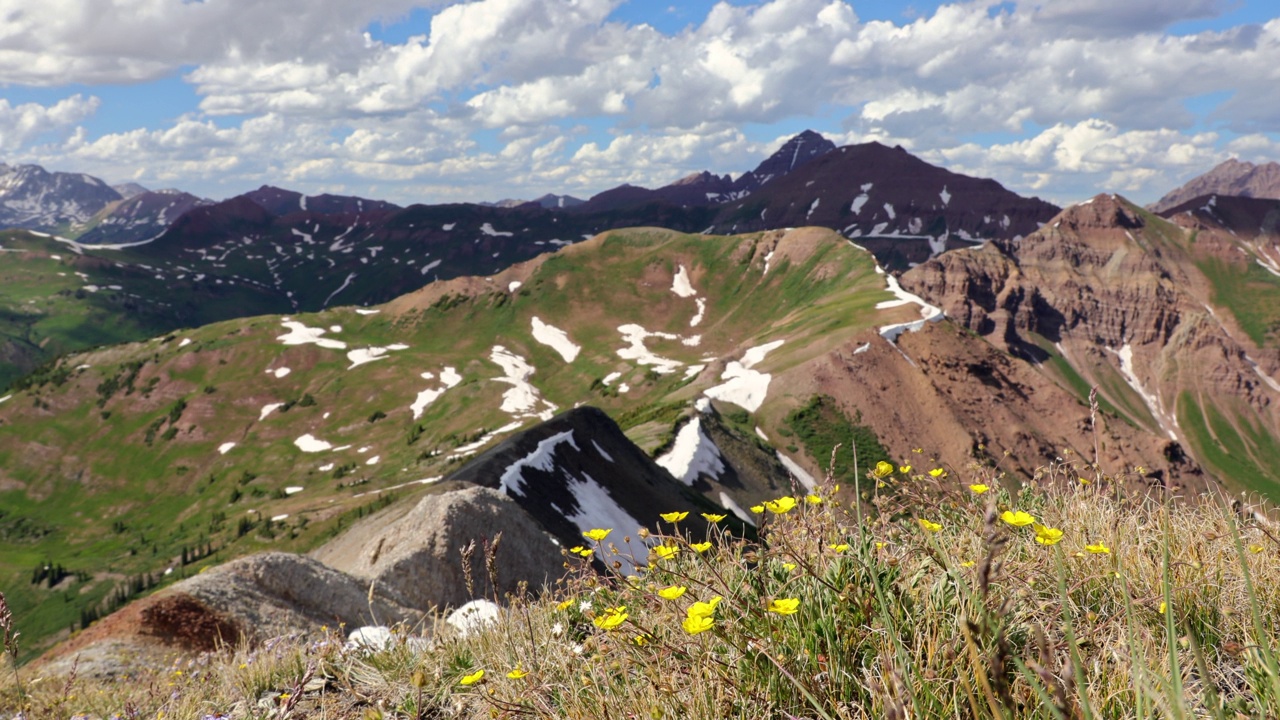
(414, 554)
(36, 199)
(1116, 294)
(1232, 177)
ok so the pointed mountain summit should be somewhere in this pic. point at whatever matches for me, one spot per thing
(793, 154)
(1232, 177)
(34, 198)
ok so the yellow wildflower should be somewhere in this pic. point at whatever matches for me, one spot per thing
(967, 563)
(565, 605)
(704, 609)
(883, 469)
(712, 517)
(702, 546)
(664, 552)
(611, 618)
(582, 551)
(937, 472)
(813, 499)
(673, 592)
(1017, 518)
(1163, 607)
(1083, 481)
(1047, 535)
(517, 673)
(784, 606)
(880, 545)
(839, 547)
(674, 517)
(781, 505)
(1255, 548)
(472, 679)
(930, 526)
(757, 509)
(979, 488)
(904, 469)
(788, 566)
(1098, 549)
(641, 640)
(694, 625)
(597, 534)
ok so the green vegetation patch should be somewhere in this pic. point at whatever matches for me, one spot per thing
(822, 425)
(1240, 453)
(1251, 294)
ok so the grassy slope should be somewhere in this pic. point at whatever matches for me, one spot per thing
(1143, 608)
(75, 458)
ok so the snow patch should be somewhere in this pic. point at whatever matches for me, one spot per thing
(487, 229)
(514, 285)
(635, 337)
(812, 207)
(448, 226)
(556, 339)
(293, 489)
(300, 334)
(680, 284)
(223, 449)
(310, 444)
(367, 355)
(1153, 402)
(859, 202)
(268, 409)
(692, 455)
(946, 196)
(760, 434)
(185, 342)
(279, 372)
(522, 399)
(744, 386)
(373, 460)
(363, 311)
(727, 503)
(601, 450)
(798, 472)
(928, 313)
(702, 306)
(889, 209)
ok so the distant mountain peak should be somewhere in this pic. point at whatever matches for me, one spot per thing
(1230, 177)
(794, 153)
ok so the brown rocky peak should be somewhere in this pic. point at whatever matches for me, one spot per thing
(1103, 211)
(1232, 177)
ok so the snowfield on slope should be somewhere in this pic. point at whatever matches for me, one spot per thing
(743, 386)
(556, 339)
(692, 455)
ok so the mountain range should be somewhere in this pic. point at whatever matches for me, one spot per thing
(923, 317)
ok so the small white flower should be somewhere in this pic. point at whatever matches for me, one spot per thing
(584, 606)
(577, 649)
(557, 630)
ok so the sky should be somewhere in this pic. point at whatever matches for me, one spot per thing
(420, 101)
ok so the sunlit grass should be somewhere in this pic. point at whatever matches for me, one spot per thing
(1066, 601)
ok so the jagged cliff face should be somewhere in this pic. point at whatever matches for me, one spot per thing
(1148, 311)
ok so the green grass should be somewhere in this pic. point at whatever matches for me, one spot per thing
(1251, 294)
(1241, 452)
(821, 425)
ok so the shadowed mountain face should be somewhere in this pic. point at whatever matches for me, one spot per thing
(34, 198)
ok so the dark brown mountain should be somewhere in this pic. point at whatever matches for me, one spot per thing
(1232, 177)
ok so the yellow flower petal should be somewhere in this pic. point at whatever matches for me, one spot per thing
(757, 509)
(1163, 607)
(883, 469)
(611, 618)
(967, 563)
(712, 517)
(979, 488)
(517, 673)
(704, 609)
(1047, 535)
(930, 526)
(673, 592)
(597, 534)
(1017, 518)
(839, 547)
(784, 606)
(1098, 549)
(1255, 548)
(788, 566)
(813, 499)
(674, 517)
(565, 605)
(694, 625)
(472, 679)
(781, 505)
(701, 547)
(937, 472)
(664, 552)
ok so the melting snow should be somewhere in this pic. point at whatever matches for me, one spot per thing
(702, 305)
(522, 398)
(767, 258)
(268, 409)
(223, 449)
(368, 355)
(858, 202)
(293, 489)
(449, 377)
(889, 209)
(727, 503)
(761, 435)
(692, 455)
(798, 472)
(185, 342)
(278, 518)
(928, 313)
(946, 196)
(608, 379)
(373, 460)
(635, 336)
(341, 287)
(862, 348)
(812, 207)
(487, 229)
(431, 266)
(681, 286)
(692, 341)
(600, 450)
(300, 334)
(279, 372)
(514, 285)
(1153, 402)
(310, 444)
(745, 387)
(326, 467)
(5, 398)
(448, 226)
(556, 339)
(362, 311)
(542, 458)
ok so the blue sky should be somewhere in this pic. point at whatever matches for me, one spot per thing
(446, 101)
